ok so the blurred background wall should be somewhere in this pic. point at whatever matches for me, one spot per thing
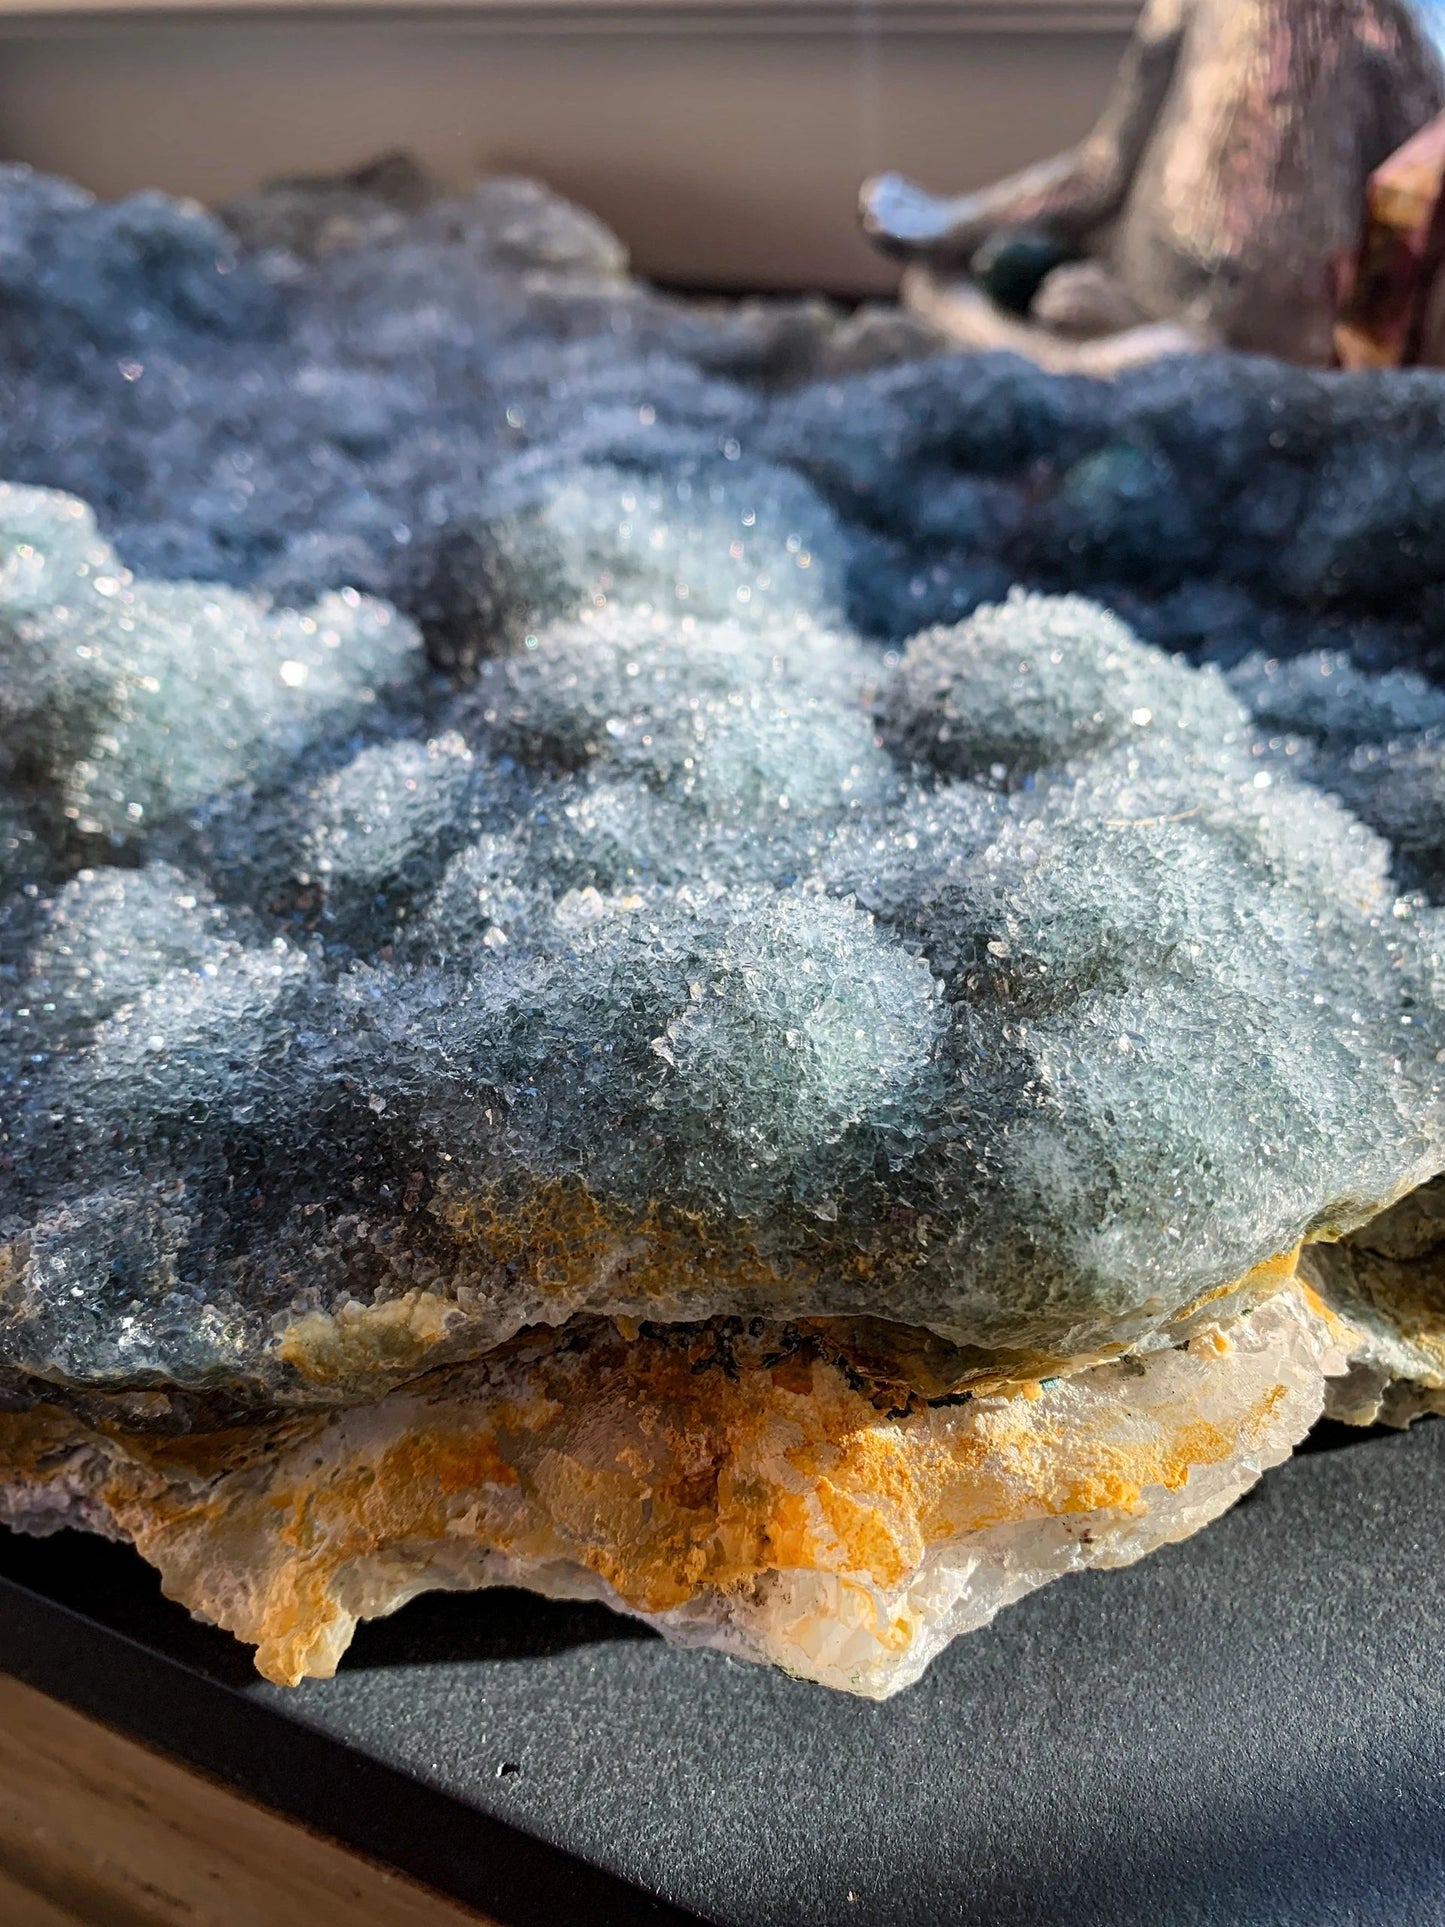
(723, 140)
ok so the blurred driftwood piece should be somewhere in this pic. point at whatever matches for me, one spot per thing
(1214, 198)
(1392, 312)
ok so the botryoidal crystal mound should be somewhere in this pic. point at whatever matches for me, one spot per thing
(590, 999)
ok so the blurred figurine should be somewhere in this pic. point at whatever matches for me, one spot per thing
(1210, 206)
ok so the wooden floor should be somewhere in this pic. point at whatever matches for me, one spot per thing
(95, 1829)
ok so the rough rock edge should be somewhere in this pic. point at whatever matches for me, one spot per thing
(844, 1545)
(1387, 1279)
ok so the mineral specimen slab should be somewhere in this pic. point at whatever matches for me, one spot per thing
(613, 980)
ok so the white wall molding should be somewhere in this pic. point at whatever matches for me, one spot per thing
(29, 18)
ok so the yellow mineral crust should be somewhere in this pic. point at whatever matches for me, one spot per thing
(552, 1251)
(396, 1334)
(755, 1494)
(556, 1252)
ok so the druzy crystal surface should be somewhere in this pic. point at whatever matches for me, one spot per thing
(687, 954)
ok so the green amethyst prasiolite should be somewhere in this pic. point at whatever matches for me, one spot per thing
(613, 1067)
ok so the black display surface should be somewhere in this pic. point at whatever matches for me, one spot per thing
(1249, 1728)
